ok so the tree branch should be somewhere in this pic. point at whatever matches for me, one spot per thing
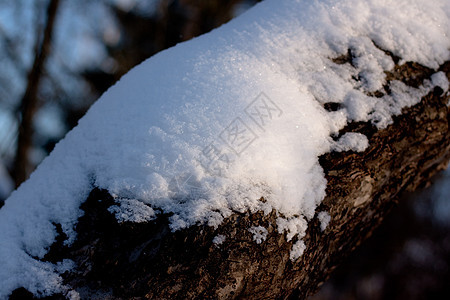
(29, 101)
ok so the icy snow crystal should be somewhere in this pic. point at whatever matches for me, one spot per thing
(132, 210)
(219, 239)
(324, 219)
(259, 233)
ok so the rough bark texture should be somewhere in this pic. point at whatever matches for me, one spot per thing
(133, 261)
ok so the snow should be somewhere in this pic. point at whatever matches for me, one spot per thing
(324, 219)
(353, 141)
(219, 239)
(439, 79)
(295, 226)
(297, 250)
(208, 127)
(132, 210)
(259, 233)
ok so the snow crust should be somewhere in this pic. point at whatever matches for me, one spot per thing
(206, 128)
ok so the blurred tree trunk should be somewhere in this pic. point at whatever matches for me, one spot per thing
(29, 102)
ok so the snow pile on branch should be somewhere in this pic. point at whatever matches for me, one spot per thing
(206, 128)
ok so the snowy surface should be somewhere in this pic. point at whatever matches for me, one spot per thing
(206, 128)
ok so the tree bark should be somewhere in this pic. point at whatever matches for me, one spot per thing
(29, 101)
(147, 260)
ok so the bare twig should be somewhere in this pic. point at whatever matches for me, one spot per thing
(29, 101)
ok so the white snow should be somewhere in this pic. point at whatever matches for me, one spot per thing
(297, 250)
(206, 128)
(219, 239)
(295, 226)
(132, 210)
(439, 79)
(259, 233)
(354, 141)
(324, 219)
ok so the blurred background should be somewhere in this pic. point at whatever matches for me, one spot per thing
(58, 56)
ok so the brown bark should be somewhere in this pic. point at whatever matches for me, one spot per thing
(29, 101)
(147, 260)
